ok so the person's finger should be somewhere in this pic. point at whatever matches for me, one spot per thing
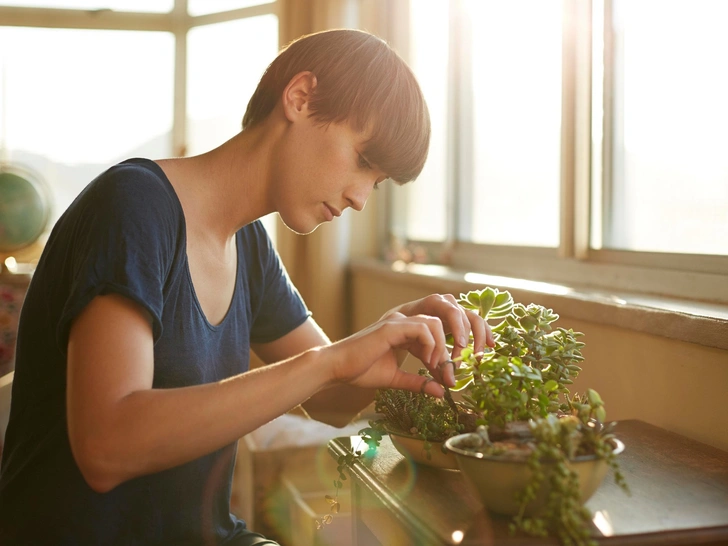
(424, 337)
(421, 335)
(417, 383)
(439, 353)
(455, 320)
(480, 330)
(489, 337)
(447, 372)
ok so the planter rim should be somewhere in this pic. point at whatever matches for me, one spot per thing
(618, 448)
(394, 432)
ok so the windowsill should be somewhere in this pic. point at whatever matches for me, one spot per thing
(694, 322)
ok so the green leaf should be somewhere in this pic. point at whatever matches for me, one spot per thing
(510, 319)
(503, 298)
(594, 398)
(499, 313)
(487, 297)
(551, 385)
(528, 322)
(500, 326)
(472, 297)
(461, 384)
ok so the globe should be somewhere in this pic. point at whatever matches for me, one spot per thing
(25, 209)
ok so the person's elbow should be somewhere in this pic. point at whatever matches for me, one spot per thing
(93, 459)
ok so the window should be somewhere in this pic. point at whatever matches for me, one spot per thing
(68, 121)
(217, 95)
(203, 7)
(579, 142)
(152, 6)
(74, 100)
(667, 189)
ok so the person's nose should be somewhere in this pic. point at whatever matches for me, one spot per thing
(357, 196)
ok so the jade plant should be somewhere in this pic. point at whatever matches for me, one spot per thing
(517, 389)
(528, 372)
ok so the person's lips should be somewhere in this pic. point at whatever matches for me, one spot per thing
(332, 212)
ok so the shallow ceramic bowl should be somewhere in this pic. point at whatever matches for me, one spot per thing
(414, 448)
(497, 481)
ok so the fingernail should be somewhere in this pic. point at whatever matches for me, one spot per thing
(462, 342)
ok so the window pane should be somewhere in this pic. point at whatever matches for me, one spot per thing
(516, 75)
(76, 101)
(149, 6)
(670, 163)
(203, 7)
(225, 63)
(419, 209)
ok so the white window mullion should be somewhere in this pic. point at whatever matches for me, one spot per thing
(583, 115)
(461, 124)
(575, 130)
(613, 203)
(83, 19)
(459, 179)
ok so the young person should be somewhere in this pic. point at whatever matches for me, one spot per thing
(132, 379)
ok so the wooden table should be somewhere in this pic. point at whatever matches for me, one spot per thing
(679, 496)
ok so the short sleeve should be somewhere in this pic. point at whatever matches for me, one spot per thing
(126, 230)
(277, 305)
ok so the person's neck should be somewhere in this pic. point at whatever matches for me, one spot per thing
(226, 188)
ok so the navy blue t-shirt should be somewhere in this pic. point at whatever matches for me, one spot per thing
(125, 233)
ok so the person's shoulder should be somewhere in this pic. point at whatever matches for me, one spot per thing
(255, 235)
(255, 228)
(134, 183)
(137, 177)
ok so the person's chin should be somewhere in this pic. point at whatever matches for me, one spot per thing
(302, 227)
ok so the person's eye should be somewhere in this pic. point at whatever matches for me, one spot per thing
(363, 163)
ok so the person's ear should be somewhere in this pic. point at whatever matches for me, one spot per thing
(297, 95)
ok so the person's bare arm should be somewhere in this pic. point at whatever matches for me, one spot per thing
(120, 427)
(335, 406)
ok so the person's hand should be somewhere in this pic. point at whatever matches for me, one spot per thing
(456, 321)
(368, 358)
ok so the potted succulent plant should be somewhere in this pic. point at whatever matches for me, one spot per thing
(418, 425)
(543, 474)
(515, 423)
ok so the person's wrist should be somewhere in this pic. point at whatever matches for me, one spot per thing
(324, 361)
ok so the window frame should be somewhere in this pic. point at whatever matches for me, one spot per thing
(177, 22)
(574, 262)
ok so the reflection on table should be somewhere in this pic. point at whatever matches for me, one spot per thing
(679, 496)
